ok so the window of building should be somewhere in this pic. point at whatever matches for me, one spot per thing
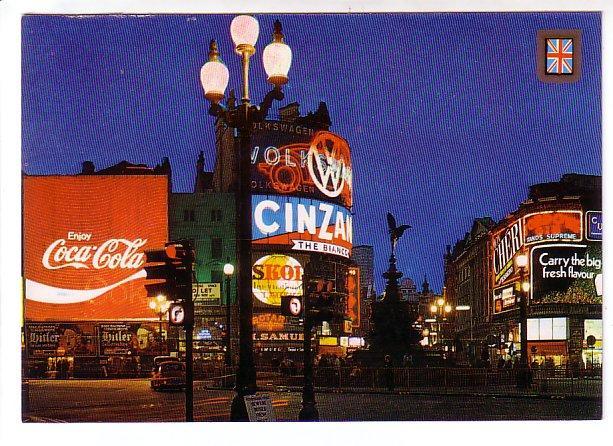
(216, 276)
(189, 215)
(216, 248)
(216, 215)
(548, 329)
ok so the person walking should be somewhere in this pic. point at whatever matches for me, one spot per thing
(388, 373)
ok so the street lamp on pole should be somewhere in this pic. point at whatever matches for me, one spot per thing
(214, 77)
(160, 305)
(228, 270)
(523, 378)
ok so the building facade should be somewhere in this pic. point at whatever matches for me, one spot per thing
(207, 219)
(301, 219)
(559, 228)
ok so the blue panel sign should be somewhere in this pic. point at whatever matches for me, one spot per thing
(594, 225)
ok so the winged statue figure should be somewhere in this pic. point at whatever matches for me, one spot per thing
(395, 231)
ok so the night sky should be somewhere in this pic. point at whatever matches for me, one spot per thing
(444, 112)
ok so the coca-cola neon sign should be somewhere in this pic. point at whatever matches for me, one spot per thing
(85, 242)
(113, 253)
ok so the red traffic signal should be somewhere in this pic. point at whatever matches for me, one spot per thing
(172, 267)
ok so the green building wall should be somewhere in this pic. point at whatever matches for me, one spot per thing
(204, 218)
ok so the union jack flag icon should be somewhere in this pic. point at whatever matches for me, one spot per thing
(559, 56)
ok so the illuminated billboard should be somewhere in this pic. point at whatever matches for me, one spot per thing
(295, 160)
(506, 244)
(302, 224)
(274, 276)
(353, 296)
(504, 299)
(562, 226)
(566, 273)
(85, 238)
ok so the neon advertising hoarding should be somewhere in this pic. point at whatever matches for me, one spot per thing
(84, 245)
(507, 243)
(566, 273)
(302, 224)
(562, 226)
(295, 160)
(274, 276)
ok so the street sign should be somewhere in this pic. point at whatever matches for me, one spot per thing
(181, 314)
(259, 408)
(591, 341)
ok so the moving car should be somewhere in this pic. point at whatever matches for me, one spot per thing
(169, 375)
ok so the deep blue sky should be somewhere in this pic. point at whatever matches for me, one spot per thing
(444, 112)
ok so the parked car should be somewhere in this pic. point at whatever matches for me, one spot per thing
(160, 359)
(169, 375)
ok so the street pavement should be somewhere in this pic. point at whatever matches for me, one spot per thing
(132, 400)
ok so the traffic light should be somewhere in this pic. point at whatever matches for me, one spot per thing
(172, 268)
(323, 302)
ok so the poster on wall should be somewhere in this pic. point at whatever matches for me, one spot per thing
(54, 339)
(290, 159)
(85, 238)
(566, 273)
(563, 226)
(130, 339)
(504, 299)
(301, 224)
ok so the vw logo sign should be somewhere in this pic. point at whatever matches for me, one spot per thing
(329, 165)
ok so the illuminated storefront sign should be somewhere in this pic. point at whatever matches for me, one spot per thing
(593, 225)
(504, 299)
(274, 276)
(278, 336)
(563, 226)
(507, 243)
(353, 296)
(269, 322)
(328, 340)
(85, 239)
(566, 273)
(304, 163)
(302, 225)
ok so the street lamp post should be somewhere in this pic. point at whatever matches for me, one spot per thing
(214, 76)
(523, 376)
(228, 270)
(160, 305)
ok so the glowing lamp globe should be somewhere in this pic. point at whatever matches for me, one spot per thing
(277, 58)
(521, 260)
(228, 269)
(214, 77)
(244, 30)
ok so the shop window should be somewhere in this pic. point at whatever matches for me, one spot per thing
(592, 327)
(548, 329)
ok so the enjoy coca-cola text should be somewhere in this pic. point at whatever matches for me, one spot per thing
(113, 253)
